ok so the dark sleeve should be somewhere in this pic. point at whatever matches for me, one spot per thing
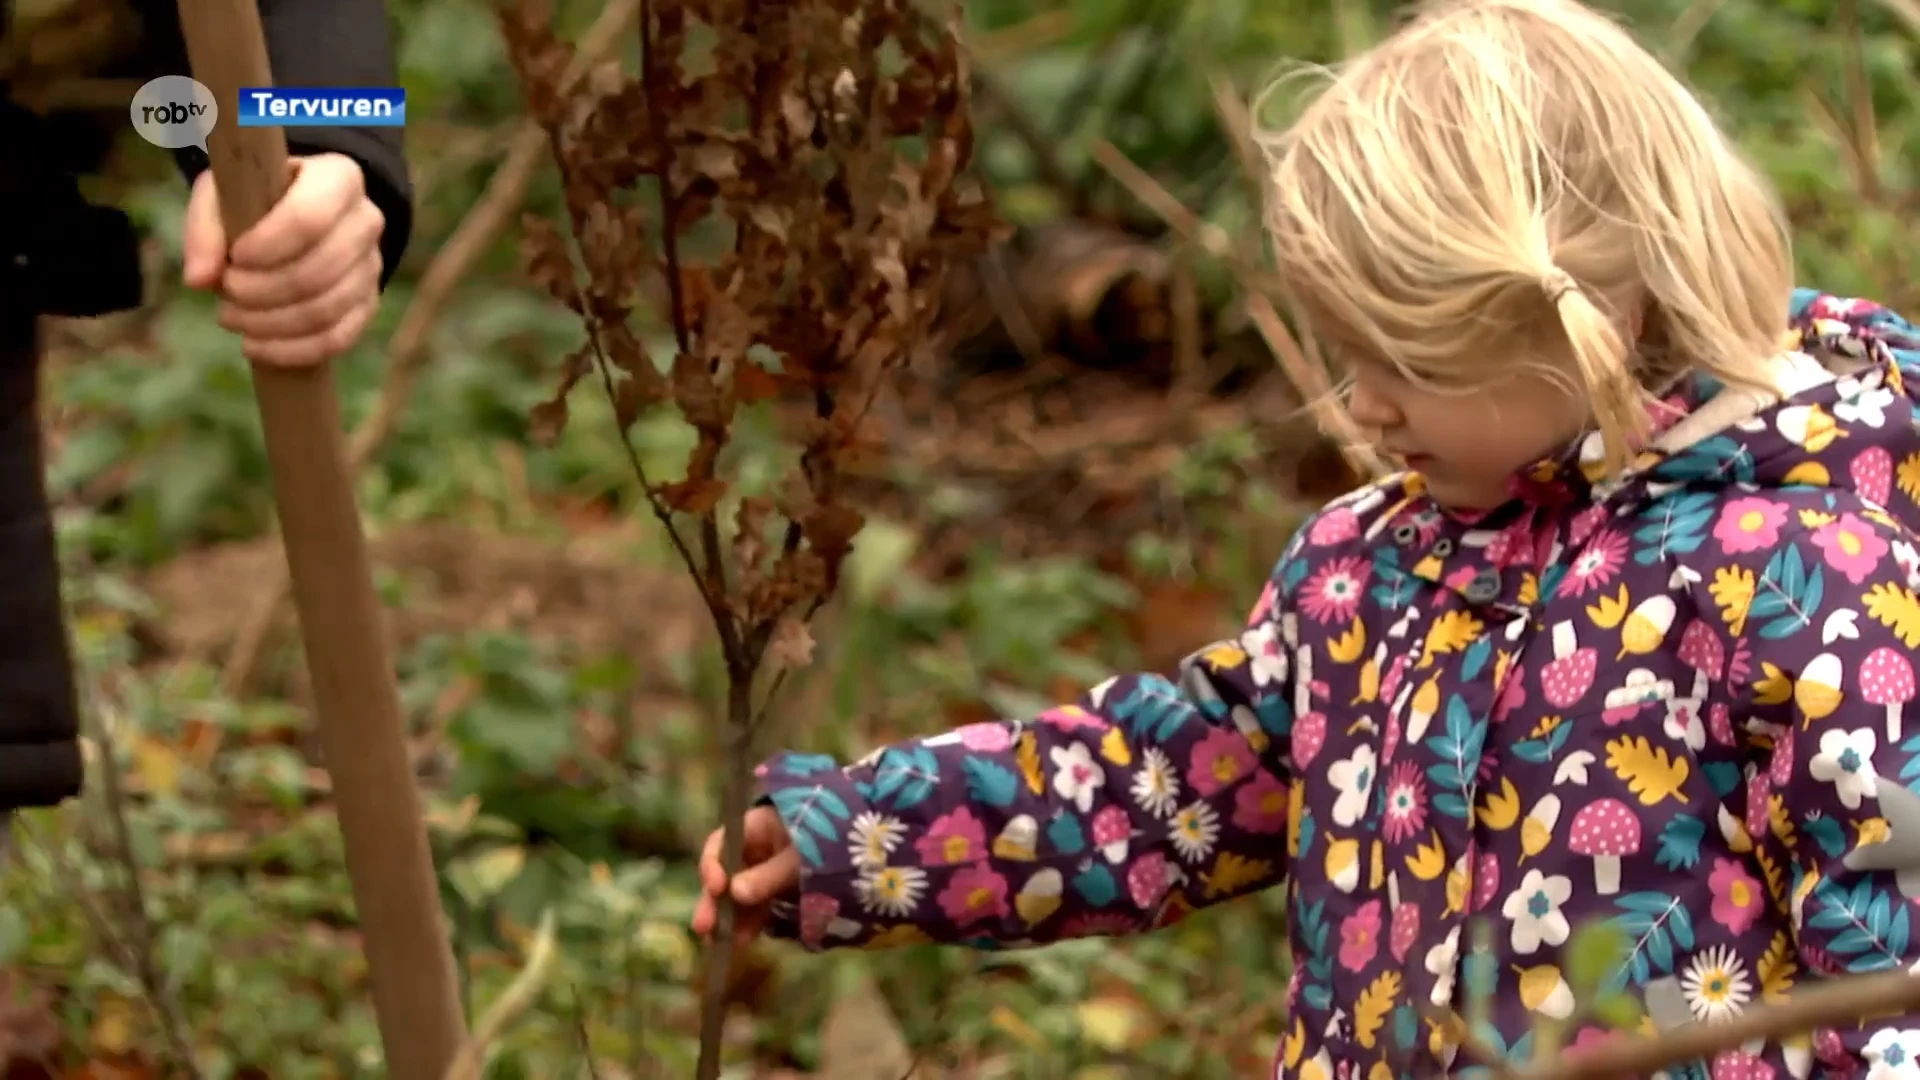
(340, 43)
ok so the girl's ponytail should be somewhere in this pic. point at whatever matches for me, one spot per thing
(1604, 361)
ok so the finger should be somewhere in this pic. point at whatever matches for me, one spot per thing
(324, 188)
(713, 876)
(758, 884)
(748, 924)
(311, 316)
(315, 348)
(316, 269)
(203, 241)
(704, 916)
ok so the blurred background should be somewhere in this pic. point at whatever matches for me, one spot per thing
(1097, 474)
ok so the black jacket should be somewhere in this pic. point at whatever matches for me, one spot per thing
(61, 256)
(82, 260)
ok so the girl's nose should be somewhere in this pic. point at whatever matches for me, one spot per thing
(1371, 409)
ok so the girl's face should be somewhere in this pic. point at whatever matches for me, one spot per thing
(1468, 444)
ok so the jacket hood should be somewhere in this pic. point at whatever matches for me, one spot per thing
(1845, 418)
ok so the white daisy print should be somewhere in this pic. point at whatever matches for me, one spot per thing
(1716, 985)
(892, 891)
(1196, 828)
(1353, 778)
(1845, 760)
(1076, 775)
(1155, 786)
(873, 837)
(1266, 654)
(1534, 908)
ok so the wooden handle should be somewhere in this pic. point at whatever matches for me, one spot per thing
(408, 950)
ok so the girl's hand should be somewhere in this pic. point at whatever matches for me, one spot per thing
(770, 869)
(300, 286)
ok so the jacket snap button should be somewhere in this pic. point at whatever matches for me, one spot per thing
(1404, 535)
(1484, 587)
(1443, 547)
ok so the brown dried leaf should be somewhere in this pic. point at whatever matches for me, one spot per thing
(791, 645)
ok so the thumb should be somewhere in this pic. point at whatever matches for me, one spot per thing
(758, 884)
(203, 240)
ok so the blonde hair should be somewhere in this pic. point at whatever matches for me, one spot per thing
(1505, 176)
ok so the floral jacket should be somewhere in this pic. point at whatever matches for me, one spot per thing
(1674, 702)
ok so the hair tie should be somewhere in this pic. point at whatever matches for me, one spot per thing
(1556, 284)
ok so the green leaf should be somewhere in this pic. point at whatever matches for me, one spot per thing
(1619, 1010)
(1595, 952)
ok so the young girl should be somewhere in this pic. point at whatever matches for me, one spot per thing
(1630, 640)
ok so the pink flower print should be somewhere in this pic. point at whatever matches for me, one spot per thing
(1219, 761)
(974, 893)
(985, 738)
(1780, 762)
(1333, 593)
(1390, 741)
(1148, 880)
(1832, 1052)
(1071, 718)
(1851, 547)
(1360, 936)
(1405, 931)
(1584, 523)
(1736, 896)
(1333, 527)
(954, 838)
(1740, 1065)
(1100, 924)
(1406, 802)
(1749, 524)
(1261, 806)
(1597, 564)
(817, 912)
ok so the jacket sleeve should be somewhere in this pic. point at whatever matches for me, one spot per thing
(340, 43)
(1146, 799)
(1834, 622)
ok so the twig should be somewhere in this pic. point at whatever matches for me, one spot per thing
(512, 1003)
(1849, 1000)
(406, 350)
(1313, 386)
(173, 1021)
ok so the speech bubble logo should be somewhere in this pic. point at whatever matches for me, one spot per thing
(175, 111)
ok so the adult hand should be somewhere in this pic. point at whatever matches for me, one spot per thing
(302, 284)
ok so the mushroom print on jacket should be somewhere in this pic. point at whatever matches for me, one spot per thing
(1674, 701)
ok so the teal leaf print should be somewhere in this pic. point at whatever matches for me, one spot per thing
(1828, 833)
(1720, 458)
(1275, 714)
(1307, 829)
(810, 813)
(804, 765)
(1786, 589)
(990, 782)
(1550, 580)
(906, 775)
(1066, 835)
(1678, 847)
(1458, 748)
(1096, 886)
(1869, 928)
(1406, 1027)
(1476, 657)
(1318, 964)
(1540, 751)
(1291, 572)
(1655, 922)
(1911, 748)
(1152, 708)
(1725, 776)
(1677, 524)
